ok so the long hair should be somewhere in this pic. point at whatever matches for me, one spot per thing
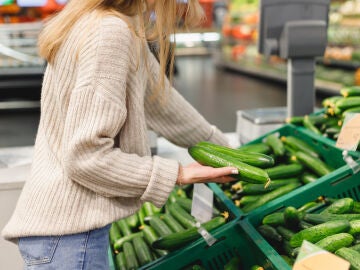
(167, 13)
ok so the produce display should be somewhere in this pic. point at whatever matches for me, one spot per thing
(331, 224)
(329, 121)
(267, 170)
(152, 233)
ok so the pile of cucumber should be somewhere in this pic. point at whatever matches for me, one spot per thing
(331, 224)
(328, 123)
(267, 170)
(151, 233)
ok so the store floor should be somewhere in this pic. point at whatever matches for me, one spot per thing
(215, 93)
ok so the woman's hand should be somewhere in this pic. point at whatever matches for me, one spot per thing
(197, 173)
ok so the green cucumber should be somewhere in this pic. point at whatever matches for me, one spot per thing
(148, 209)
(120, 261)
(274, 219)
(150, 237)
(114, 233)
(307, 178)
(185, 203)
(130, 255)
(340, 206)
(251, 158)
(304, 225)
(141, 216)
(352, 256)
(124, 227)
(177, 240)
(254, 189)
(133, 221)
(347, 103)
(321, 218)
(295, 120)
(247, 199)
(159, 226)
(172, 223)
(284, 171)
(285, 232)
(355, 227)
(350, 91)
(270, 196)
(291, 217)
(289, 250)
(330, 101)
(299, 145)
(356, 208)
(142, 250)
(183, 217)
(336, 241)
(256, 147)
(216, 159)
(310, 125)
(270, 233)
(351, 110)
(356, 247)
(275, 144)
(314, 164)
(318, 232)
(120, 242)
(307, 206)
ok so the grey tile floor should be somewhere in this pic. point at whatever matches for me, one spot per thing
(215, 93)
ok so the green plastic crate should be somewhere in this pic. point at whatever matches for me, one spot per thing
(219, 199)
(332, 156)
(343, 184)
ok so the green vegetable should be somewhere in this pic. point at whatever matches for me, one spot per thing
(352, 256)
(275, 144)
(314, 164)
(274, 219)
(340, 206)
(133, 221)
(142, 250)
(310, 125)
(355, 227)
(130, 255)
(159, 226)
(334, 242)
(124, 227)
(270, 233)
(120, 242)
(284, 171)
(291, 217)
(285, 232)
(120, 261)
(256, 147)
(183, 217)
(172, 223)
(114, 233)
(299, 145)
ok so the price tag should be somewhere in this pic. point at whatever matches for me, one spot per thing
(349, 136)
(202, 203)
(312, 257)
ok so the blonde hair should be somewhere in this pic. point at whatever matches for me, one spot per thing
(168, 14)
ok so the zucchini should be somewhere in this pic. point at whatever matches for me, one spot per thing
(285, 232)
(340, 206)
(256, 147)
(172, 223)
(216, 159)
(275, 144)
(131, 260)
(270, 196)
(314, 164)
(350, 91)
(352, 256)
(177, 240)
(142, 250)
(124, 227)
(270, 233)
(183, 217)
(114, 233)
(291, 217)
(251, 158)
(334, 242)
(120, 242)
(274, 219)
(319, 232)
(120, 261)
(299, 145)
(159, 226)
(284, 171)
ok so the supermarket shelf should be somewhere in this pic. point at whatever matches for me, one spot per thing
(320, 85)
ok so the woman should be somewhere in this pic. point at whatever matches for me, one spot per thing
(102, 89)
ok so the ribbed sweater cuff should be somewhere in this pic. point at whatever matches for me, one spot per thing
(218, 137)
(162, 181)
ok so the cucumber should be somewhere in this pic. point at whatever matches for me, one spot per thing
(270, 196)
(141, 216)
(334, 242)
(130, 255)
(351, 110)
(347, 103)
(356, 247)
(352, 256)
(285, 232)
(216, 159)
(133, 221)
(356, 208)
(114, 233)
(321, 218)
(350, 91)
(304, 225)
(314, 164)
(148, 209)
(118, 245)
(289, 250)
(295, 120)
(150, 237)
(185, 203)
(275, 144)
(177, 240)
(270, 233)
(309, 205)
(340, 206)
(355, 227)
(142, 250)
(291, 217)
(183, 217)
(256, 147)
(248, 199)
(318, 232)
(310, 125)
(330, 101)
(120, 261)
(254, 189)
(284, 171)
(172, 223)
(274, 219)
(307, 178)
(124, 227)
(299, 145)
(251, 158)
(159, 226)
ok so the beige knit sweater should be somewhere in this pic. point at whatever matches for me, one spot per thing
(92, 162)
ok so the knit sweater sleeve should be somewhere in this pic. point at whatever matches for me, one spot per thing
(175, 118)
(96, 113)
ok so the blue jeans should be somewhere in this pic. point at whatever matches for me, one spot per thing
(83, 251)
